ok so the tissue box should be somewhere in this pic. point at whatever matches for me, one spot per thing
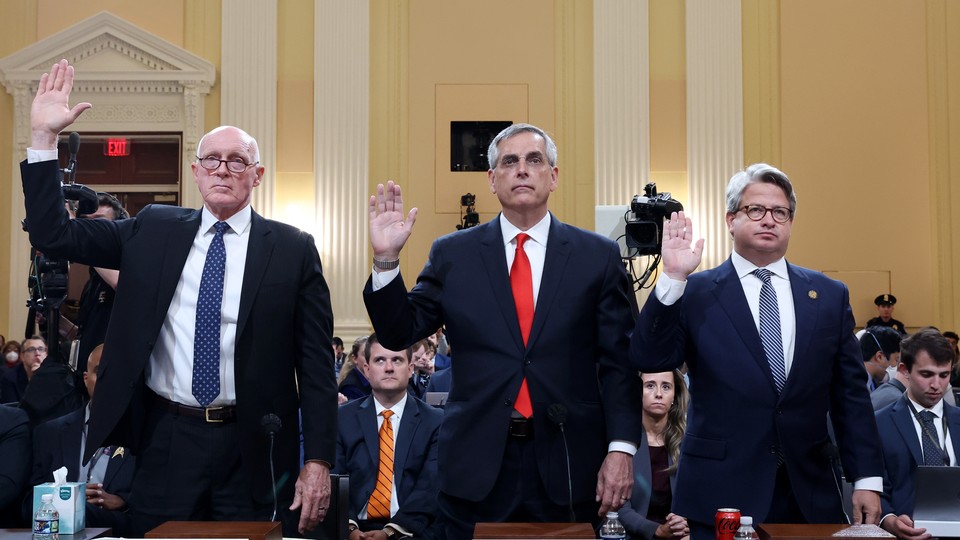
(69, 499)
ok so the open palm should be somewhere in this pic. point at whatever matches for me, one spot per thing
(681, 256)
(389, 228)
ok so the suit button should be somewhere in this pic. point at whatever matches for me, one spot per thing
(507, 402)
(773, 449)
(527, 363)
(779, 410)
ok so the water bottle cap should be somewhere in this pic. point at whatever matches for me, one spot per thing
(613, 515)
(47, 498)
(746, 520)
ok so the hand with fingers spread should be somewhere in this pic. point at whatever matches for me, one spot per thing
(389, 228)
(51, 112)
(681, 256)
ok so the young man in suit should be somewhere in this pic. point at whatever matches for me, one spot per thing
(521, 298)
(918, 429)
(222, 317)
(109, 476)
(770, 350)
(393, 491)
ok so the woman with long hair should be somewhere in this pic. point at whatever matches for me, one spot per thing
(647, 514)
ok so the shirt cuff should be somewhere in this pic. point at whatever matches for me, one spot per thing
(400, 530)
(669, 290)
(871, 483)
(36, 156)
(379, 280)
(626, 447)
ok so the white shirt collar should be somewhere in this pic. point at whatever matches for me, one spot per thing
(397, 408)
(238, 222)
(745, 267)
(538, 233)
(937, 408)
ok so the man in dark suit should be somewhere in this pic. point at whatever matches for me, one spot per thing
(15, 465)
(916, 429)
(410, 504)
(522, 297)
(757, 429)
(109, 476)
(221, 318)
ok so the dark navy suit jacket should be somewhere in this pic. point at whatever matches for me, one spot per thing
(415, 459)
(902, 453)
(737, 421)
(575, 354)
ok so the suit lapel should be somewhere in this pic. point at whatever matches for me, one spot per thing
(69, 446)
(259, 249)
(806, 310)
(179, 240)
(493, 255)
(729, 294)
(554, 264)
(367, 419)
(408, 426)
(903, 420)
(113, 465)
(953, 426)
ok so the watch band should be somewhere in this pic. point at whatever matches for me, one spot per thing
(385, 265)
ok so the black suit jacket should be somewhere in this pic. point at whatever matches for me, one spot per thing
(414, 457)
(13, 383)
(575, 355)
(14, 464)
(57, 444)
(283, 357)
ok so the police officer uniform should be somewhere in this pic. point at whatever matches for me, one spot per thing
(886, 300)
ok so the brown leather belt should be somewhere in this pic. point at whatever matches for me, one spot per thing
(521, 428)
(210, 415)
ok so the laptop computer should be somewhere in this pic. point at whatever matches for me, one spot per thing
(437, 399)
(937, 506)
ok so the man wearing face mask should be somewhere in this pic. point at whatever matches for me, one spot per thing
(14, 383)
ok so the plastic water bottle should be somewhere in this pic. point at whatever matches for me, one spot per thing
(612, 529)
(46, 524)
(746, 530)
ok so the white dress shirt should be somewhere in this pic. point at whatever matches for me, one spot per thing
(943, 438)
(397, 409)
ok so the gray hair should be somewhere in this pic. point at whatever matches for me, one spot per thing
(493, 153)
(758, 172)
(249, 139)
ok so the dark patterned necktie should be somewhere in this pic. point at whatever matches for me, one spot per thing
(770, 328)
(932, 453)
(206, 344)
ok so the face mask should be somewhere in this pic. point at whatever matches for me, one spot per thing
(12, 357)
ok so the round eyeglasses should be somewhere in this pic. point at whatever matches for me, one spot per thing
(756, 212)
(235, 165)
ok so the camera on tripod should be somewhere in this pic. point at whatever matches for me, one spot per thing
(644, 222)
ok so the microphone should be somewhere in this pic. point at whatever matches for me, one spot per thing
(271, 426)
(830, 451)
(74, 145)
(557, 414)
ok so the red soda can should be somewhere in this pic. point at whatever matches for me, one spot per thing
(727, 522)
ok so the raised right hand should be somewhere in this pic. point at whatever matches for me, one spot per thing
(388, 228)
(51, 112)
(680, 255)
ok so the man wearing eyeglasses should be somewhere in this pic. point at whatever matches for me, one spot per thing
(221, 318)
(919, 428)
(770, 350)
(33, 352)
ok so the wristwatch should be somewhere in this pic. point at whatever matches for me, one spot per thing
(385, 265)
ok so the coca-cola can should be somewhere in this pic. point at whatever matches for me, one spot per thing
(727, 522)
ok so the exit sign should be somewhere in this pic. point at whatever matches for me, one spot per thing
(117, 147)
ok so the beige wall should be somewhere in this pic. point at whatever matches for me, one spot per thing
(851, 98)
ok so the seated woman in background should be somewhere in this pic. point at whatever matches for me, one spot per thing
(647, 514)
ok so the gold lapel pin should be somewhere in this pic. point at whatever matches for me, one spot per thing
(117, 452)
(812, 295)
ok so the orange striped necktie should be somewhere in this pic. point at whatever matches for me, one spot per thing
(378, 507)
(521, 281)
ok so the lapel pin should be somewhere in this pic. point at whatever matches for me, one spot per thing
(117, 452)
(812, 295)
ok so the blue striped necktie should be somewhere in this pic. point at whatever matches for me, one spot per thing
(206, 344)
(770, 328)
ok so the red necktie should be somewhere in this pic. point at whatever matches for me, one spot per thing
(521, 281)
